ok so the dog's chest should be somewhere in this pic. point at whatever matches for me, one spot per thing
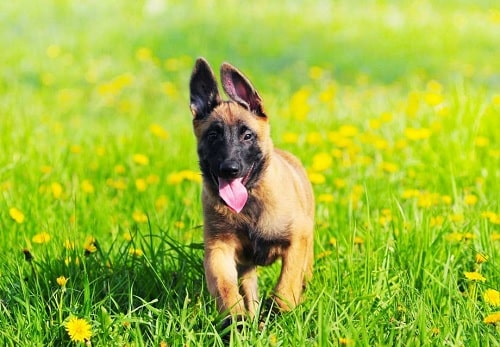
(261, 247)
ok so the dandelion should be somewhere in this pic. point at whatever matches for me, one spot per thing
(75, 149)
(417, 134)
(90, 245)
(136, 252)
(53, 51)
(358, 240)
(481, 258)
(492, 318)
(348, 130)
(61, 281)
(314, 138)
(140, 159)
(42, 237)
(481, 141)
(87, 187)
(56, 189)
(180, 224)
(16, 215)
(141, 184)
(326, 198)
(344, 341)
(158, 131)
(153, 179)
(299, 106)
(79, 330)
(127, 236)
(316, 178)
(492, 297)
(315, 72)
(495, 237)
(69, 245)
(332, 241)
(475, 276)
(140, 217)
(389, 167)
(143, 54)
(169, 88)
(470, 199)
(161, 202)
(290, 137)
(119, 169)
(322, 161)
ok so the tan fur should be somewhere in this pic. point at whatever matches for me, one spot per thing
(235, 243)
(288, 198)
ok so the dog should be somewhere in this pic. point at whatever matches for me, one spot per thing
(258, 204)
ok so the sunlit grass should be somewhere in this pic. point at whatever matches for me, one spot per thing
(394, 108)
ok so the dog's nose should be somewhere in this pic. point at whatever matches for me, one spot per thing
(229, 169)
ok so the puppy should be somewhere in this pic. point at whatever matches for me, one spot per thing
(258, 203)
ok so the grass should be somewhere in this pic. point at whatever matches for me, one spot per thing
(392, 106)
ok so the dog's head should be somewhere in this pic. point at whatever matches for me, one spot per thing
(233, 136)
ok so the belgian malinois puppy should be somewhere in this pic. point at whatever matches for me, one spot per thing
(258, 203)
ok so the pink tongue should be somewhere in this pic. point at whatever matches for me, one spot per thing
(234, 193)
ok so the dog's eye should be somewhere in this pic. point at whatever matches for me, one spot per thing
(247, 136)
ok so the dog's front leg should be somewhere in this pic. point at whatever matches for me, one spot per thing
(222, 277)
(296, 270)
(248, 288)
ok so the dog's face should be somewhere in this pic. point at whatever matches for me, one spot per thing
(233, 136)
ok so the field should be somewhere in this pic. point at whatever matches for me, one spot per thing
(393, 107)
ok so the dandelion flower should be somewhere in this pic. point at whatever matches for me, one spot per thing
(322, 161)
(475, 276)
(87, 187)
(56, 189)
(90, 244)
(16, 215)
(316, 178)
(139, 217)
(326, 198)
(492, 318)
(481, 258)
(140, 159)
(136, 252)
(79, 330)
(42, 237)
(158, 131)
(470, 199)
(61, 281)
(141, 184)
(492, 297)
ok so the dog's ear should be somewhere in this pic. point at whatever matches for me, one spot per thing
(203, 88)
(239, 88)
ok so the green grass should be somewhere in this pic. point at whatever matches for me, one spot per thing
(393, 106)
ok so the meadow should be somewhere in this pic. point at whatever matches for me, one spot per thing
(393, 107)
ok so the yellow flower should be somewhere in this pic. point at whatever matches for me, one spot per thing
(481, 141)
(332, 241)
(140, 159)
(158, 131)
(316, 178)
(79, 330)
(161, 202)
(141, 184)
(492, 318)
(389, 167)
(143, 54)
(481, 258)
(56, 189)
(139, 217)
(315, 72)
(16, 215)
(90, 244)
(326, 198)
(492, 297)
(470, 199)
(475, 276)
(42, 237)
(344, 341)
(127, 236)
(61, 281)
(119, 169)
(348, 130)
(417, 134)
(358, 240)
(136, 252)
(290, 137)
(322, 161)
(87, 187)
(69, 245)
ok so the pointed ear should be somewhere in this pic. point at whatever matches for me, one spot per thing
(203, 88)
(239, 88)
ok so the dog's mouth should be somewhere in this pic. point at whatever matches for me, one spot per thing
(234, 191)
